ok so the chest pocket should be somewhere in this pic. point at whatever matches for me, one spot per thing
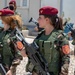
(6, 48)
(49, 49)
(46, 49)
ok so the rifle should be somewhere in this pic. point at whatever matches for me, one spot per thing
(35, 22)
(34, 55)
(69, 26)
(2, 70)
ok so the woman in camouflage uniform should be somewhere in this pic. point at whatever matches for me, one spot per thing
(52, 43)
(10, 54)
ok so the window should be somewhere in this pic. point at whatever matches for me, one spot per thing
(24, 3)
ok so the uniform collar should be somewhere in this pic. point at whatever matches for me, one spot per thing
(9, 30)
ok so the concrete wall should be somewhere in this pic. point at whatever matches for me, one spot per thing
(32, 10)
(2, 4)
(26, 13)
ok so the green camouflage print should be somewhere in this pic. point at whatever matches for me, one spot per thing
(8, 53)
(50, 48)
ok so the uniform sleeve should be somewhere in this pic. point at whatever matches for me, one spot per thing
(65, 50)
(11, 57)
(16, 61)
(17, 56)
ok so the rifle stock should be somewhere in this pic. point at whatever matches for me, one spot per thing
(2, 70)
(35, 22)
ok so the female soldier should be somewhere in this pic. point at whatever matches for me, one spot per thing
(52, 43)
(10, 55)
(13, 7)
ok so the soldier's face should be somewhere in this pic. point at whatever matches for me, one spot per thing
(42, 21)
(6, 27)
(11, 7)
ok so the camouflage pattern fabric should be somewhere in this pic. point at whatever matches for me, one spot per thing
(51, 48)
(10, 56)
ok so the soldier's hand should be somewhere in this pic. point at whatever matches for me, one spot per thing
(73, 34)
(9, 72)
(64, 69)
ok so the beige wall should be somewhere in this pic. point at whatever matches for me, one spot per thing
(2, 4)
(33, 9)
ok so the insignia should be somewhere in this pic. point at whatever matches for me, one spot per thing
(41, 11)
(66, 49)
(13, 2)
(19, 45)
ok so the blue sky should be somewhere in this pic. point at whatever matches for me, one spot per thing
(69, 9)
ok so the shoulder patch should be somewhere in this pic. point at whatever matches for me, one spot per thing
(19, 45)
(66, 49)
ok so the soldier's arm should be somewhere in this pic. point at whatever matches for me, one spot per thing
(17, 58)
(65, 50)
(16, 61)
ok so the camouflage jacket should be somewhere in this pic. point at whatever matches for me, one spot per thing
(55, 49)
(7, 50)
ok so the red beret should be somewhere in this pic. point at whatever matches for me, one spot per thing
(48, 11)
(6, 12)
(12, 2)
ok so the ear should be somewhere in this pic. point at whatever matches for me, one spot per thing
(47, 19)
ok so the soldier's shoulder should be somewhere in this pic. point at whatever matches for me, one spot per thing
(62, 35)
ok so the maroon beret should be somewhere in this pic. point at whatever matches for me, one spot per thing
(6, 12)
(48, 11)
(12, 2)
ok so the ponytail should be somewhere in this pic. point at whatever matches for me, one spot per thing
(55, 21)
(58, 23)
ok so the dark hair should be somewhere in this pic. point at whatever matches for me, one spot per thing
(56, 21)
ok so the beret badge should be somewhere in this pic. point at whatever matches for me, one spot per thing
(41, 11)
(0, 13)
